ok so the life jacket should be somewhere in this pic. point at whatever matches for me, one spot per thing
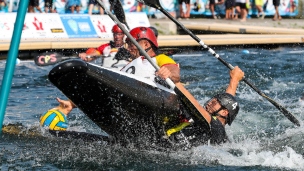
(186, 135)
(142, 67)
(218, 132)
(109, 51)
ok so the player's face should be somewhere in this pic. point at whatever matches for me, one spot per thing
(213, 106)
(119, 39)
(133, 49)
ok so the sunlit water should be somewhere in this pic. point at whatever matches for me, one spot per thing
(261, 137)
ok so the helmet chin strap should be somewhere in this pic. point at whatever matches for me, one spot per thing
(149, 48)
(219, 115)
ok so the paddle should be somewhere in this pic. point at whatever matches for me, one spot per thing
(51, 58)
(186, 98)
(156, 4)
(119, 11)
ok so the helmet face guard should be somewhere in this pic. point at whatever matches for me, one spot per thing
(227, 101)
(210, 106)
(140, 33)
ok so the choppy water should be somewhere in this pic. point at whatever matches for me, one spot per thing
(261, 137)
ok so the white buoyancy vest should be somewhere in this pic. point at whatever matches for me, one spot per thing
(141, 67)
(109, 61)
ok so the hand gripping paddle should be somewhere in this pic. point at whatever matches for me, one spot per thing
(156, 4)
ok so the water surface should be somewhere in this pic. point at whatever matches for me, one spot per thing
(261, 137)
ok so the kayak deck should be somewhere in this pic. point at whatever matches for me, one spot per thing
(116, 103)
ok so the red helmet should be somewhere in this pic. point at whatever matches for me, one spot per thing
(116, 29)
(139, 33)
(92, 50)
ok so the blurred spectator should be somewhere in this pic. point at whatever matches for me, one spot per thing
(240, 7)
(276, 4)
(183, 14)
(92, 3)
(292, 6)
(265, 6)
(248, 7)
(259, 6)
(229, 5)
(48, 6)
(2, 5)
(73, 4)
(196, 6)
(237, 10)
(141, 7)
(32, 5)
(213, 4)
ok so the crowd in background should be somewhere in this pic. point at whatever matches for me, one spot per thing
(72, 5)
(233, 9)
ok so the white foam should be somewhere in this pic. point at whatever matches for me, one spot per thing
(247, 153)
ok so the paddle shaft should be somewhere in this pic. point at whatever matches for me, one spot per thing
(51, 58)
(228, 65)
(278, 106)
(142, 51)
(185, 96)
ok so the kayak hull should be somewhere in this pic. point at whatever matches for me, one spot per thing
(125, 107)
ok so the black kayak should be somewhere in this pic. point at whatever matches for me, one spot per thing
(127, 107)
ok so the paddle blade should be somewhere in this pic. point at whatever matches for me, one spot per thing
(193, 106)
(277, 105)
(283, 110)
(48, 58)
(156, 4)
(119, 11)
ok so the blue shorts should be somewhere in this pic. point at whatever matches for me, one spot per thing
(73, 3)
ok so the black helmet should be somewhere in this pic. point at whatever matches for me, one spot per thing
(155, 31)
(229, 102)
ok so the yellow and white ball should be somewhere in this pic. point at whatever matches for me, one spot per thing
(54, 120)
